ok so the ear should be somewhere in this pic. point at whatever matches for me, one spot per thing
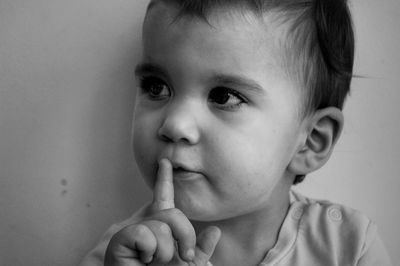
(323, 129)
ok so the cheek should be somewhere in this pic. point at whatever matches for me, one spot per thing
(249, 159)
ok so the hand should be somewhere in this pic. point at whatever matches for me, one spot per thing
(165, 237)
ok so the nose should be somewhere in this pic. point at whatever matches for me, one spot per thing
(180, 125)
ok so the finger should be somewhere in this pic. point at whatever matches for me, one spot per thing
(182, 231)
(165, 241)
(132, 243)
(207, 240)
(163, 195)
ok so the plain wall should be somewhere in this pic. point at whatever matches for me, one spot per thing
(66, 100)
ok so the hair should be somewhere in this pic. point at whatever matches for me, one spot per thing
(318, 46)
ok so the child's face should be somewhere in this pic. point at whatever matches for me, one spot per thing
(215, 101)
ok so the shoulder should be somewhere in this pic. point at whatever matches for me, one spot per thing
(332, 216)
(335, 231)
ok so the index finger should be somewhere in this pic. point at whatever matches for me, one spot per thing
(163, 194)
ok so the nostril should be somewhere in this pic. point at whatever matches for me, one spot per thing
(165, 138)
(173, 136)
(179, 129)
(164, 135)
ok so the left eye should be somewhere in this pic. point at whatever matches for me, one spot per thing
(225, 98)
(155, 88)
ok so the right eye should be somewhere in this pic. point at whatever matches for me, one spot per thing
(155, 88)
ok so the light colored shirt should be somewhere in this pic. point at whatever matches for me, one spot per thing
(314, 232)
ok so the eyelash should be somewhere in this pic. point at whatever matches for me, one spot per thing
(228, 92)
(147, 85)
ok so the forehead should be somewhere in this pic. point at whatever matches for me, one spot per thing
(231, 35)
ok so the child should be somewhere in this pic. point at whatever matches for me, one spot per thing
(238, 101)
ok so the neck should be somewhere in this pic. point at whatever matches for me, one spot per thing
(246, 239)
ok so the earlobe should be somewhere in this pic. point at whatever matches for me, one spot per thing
(323, 130)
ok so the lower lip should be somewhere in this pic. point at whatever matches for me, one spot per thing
(186, 175)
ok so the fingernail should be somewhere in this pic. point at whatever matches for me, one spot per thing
(190, 254)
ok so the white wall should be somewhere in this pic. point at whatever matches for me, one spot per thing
(66, 95)
(66, 98)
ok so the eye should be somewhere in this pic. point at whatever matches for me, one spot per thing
(155, 88)
(226, 98)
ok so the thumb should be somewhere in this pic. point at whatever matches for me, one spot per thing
(207, 240)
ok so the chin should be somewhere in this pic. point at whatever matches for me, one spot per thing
(201, 212)
(195, 210)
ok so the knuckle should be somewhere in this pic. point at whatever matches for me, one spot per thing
(157, 226)
(188, 232)
(174, 212)
(178, 223)
(189, 237)
(164, 257)
(164, 228)
(139, 230)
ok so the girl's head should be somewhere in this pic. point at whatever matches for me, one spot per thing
(223, 96)
(316, 45)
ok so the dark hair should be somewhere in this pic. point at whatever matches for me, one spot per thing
(318, 48)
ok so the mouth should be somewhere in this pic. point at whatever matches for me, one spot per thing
(185, 174)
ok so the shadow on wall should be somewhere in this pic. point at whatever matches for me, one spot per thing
(110, 175)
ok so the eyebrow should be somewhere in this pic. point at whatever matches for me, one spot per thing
(229, 80)
(238, 81)
(147, 68)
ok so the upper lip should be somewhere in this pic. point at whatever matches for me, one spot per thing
(182, 166)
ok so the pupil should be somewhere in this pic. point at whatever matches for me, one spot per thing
(156, 89)
(220, 97)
